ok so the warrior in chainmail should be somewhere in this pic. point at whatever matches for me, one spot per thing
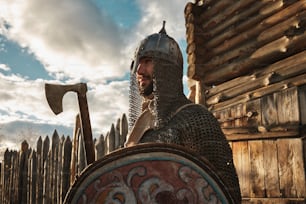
(160, 112)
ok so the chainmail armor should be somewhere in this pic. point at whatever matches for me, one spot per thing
(196, 128)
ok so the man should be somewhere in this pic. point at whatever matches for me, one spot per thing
(160, 112)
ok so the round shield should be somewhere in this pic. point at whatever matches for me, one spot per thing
(149, 173)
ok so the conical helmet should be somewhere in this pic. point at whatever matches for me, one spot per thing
(159, 46)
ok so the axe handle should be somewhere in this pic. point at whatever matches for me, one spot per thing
(86, 128)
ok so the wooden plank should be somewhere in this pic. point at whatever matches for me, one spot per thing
(117, 134)
(200, 93)
(242, 164)
(269, 110)
(106, 141)
(123, 129)
(32, 177)
(298, 168)
(77, 129)
(67, 149)
(111, 139)
(256, 136)
(286, 159)
(60, 178)
(302, 103)
(287, 106)
(304, 153)
(242, 133)
(22, 174)
(100, 147)
(270, 162)
(81, 158)
(257, 169)
(273, 201)
(7, 165)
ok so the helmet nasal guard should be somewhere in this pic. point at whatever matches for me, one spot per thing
(159, 46)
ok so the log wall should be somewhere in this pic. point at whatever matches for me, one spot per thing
(248, 61)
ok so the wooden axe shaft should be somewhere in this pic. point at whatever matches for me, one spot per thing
(86, 128)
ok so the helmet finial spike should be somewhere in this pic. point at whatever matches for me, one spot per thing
(163, 30)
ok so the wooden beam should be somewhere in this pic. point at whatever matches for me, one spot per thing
(268, 54)
(226, 14)
(243, 21)
(215, 9)
(282, 28)
(241, 88)
(284, 69)
(294, 81)
(229, 84)
(260, 136)
(259, 27)
(247, 200)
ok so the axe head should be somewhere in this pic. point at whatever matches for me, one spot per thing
(55, 93)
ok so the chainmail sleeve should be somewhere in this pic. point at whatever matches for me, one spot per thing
(196, 128)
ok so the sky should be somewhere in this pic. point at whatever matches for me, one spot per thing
(67, 42)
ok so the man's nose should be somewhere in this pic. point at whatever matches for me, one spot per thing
(140, 69)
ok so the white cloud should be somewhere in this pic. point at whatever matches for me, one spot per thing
(154, 12)
(71, 37)
(4, 67)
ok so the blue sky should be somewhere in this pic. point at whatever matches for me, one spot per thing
(67, 42)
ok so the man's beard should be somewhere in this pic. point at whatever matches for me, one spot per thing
(147, 91)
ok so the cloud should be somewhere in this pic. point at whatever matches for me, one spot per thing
(154, 12)
(107, 103)
(4, 67)
(71, 37)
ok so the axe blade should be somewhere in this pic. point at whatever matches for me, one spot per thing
(54, 94)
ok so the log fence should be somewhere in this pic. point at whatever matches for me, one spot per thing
(43, 175)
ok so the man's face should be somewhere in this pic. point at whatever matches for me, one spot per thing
(144, 76)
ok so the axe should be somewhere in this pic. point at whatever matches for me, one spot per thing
(55, 94)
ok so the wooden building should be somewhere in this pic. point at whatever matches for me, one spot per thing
(247, 64)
